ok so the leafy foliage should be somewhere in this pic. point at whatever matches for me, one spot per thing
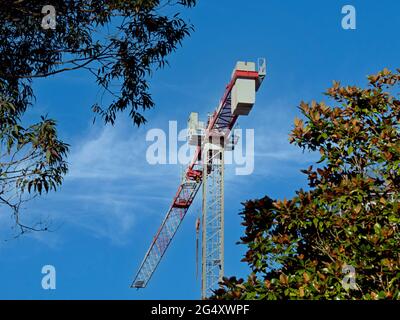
(350, 215)
(118, 42)
(32, 161)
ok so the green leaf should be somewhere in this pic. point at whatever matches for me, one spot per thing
(377, 228)
(350, 150)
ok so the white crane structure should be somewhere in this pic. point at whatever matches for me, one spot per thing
(207, 169)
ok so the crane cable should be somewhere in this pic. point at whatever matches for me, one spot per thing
(197, 247)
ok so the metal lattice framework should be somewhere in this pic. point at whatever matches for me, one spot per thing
(185, 196)
(211, 171)
(213, 218)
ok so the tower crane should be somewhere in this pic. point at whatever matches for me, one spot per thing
(207, 170)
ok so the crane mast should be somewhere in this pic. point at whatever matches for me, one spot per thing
(207, 169)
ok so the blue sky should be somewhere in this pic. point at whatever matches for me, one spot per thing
(113, 201)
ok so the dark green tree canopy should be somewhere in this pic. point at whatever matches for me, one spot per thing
(118, 42)
(348, 220)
